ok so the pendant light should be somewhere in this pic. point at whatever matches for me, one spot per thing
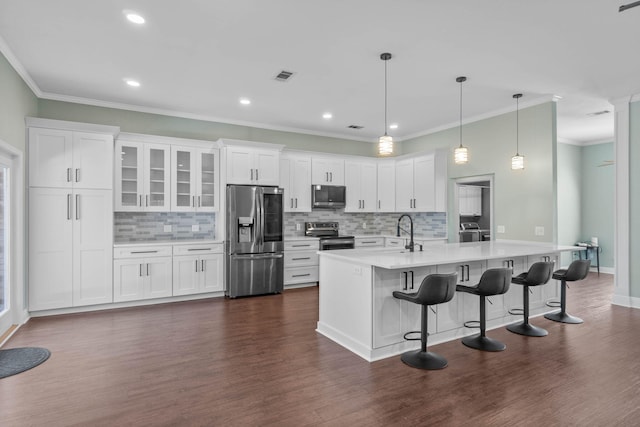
(385, 142)
(461, 153)
(517, 161)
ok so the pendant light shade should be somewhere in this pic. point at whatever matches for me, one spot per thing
(385, 142)
(461, 153)
(517, 161)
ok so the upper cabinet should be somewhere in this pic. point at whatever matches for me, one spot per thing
(252, 166)
(360, 179)
(327, 171)
(470, 200)
(142, 176)
(421, 183)
(67, 159)
(195, 178)
(295, 179)
(386, 178)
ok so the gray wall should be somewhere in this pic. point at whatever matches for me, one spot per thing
(634, 199)
(569, 197)
(16, 102)
(522, 199)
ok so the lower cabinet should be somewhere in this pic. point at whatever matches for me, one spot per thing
(197, 269)
(451, 315)
(369, 242)
(499, 305)
(300, 262)
(142, 273)
(549, 292)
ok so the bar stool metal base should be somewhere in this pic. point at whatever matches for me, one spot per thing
(559, 316)
(424, 360)
(527, 329)
(483, 343)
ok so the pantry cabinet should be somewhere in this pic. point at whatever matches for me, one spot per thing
(195, 179)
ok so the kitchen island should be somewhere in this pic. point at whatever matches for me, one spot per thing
(358, 311)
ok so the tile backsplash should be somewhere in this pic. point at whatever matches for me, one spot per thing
(149, 226)
(428, 224)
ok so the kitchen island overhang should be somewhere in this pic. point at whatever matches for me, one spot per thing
(357, 309)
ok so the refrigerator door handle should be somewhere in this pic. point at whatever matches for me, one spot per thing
(260, 219)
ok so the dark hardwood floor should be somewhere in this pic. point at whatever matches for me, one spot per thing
(258, 361)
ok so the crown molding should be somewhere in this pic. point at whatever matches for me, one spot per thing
(17, 65)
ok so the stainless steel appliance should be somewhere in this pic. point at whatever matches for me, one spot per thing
(471, 232)
(254, 243)
(329, 235)
(328, 196)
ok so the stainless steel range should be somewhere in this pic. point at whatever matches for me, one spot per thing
(329, 235)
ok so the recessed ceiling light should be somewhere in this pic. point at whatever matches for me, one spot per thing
(245, 101)
(134, 17)
(327, 116)
(132, 83)
(393, 126)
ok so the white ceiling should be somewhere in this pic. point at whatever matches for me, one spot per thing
(196, 58)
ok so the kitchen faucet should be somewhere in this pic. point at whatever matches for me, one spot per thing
(411, 245)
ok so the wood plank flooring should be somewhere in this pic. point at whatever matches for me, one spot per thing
(258, 361)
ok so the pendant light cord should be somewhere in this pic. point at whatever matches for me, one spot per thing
(517, 126)
(461, 112)
(385, 96)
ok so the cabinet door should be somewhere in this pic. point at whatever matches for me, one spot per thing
(207, 181)
(404, 186)
(239, 163)
(451, 314)
(266, 164)
(386, 178)
(92, 161)
(368, 189)
(353, 180)
(551, 291)
(424, 184)
(128, 176)
(156, 178)
(336, 171)
(327, 171)
(50, 158)
(211, 279)
(158, 281)
(128, 279)
(186, 272)
(285, 183)
(501, 304)
(92, 247)
(183, 179)
(50, 248)
(475, 200)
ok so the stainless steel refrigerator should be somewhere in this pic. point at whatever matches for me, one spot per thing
(254, 243)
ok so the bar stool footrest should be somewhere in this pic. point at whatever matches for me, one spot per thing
(413, 339)
(474, 324)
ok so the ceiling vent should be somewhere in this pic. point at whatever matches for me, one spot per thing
(284, 76)
(599, 113)
(355, 127)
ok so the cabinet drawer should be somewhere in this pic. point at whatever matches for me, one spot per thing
(198, 249)
(300, 275)
(394, 241)
(142, 252)
(301, 245)
(300, 258)
(363, 242)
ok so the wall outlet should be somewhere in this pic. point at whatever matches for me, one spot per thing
(298, 226)
(364, 225)
(195, 227)
(539, 230)
(501, 229)
(167, 229)
(357, 270)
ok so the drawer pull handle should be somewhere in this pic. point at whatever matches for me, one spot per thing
(144, 252)
(199, 249)
(301, 275)
(300, 259)
(301, 246)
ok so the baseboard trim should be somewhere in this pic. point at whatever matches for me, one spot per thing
(626, 301)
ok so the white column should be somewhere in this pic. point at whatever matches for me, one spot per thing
(621, 295)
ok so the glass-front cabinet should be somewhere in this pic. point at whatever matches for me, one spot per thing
(195, 177)
(142, 177)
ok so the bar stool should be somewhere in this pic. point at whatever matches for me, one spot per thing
(538, 274)
(577, 270)
(434, 289)
(494, 281)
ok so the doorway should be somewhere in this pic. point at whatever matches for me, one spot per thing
(473, 213)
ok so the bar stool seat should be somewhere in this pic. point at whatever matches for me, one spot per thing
(578, 270)
(539, 274)
(434, 289)
(494, 281)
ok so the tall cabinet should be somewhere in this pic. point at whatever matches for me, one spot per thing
(70, 214)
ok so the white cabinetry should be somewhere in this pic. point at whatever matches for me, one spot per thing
(295, 179)
(197, 269)
(498, 306)
(421, 184)
(386, 179)
(70, 215)
(451, 314)
(300, 262)
(141, 272)
(470, 200)
(194, 179)
(327, 171)
(394, 242)
(252, 166)
(369, 242)
(142, 176)
(360, 180)
(549, 292)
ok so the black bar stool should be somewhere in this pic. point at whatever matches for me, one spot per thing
(494, 281)
(578, 270)
(538, 274)
(434, 289)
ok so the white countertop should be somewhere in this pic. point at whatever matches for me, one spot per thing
(396, 258)
(167, 242)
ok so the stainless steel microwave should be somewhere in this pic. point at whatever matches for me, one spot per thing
(328, 196)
